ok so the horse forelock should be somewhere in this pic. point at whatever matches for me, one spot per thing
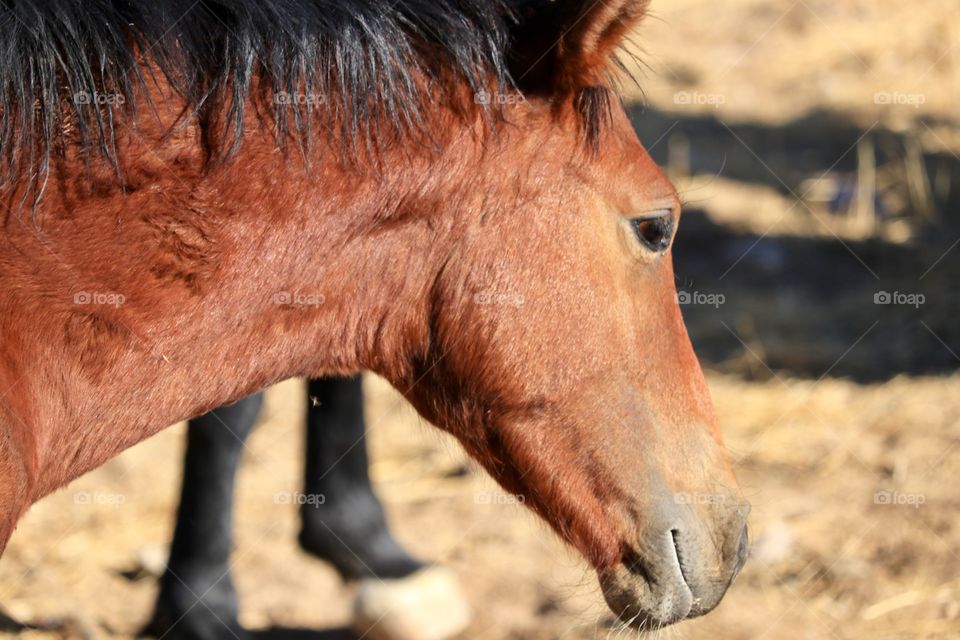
(80, 66)
(355, 71)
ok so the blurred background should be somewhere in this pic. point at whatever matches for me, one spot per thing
(815, 144)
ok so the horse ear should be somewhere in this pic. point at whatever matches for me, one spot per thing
(567, 45)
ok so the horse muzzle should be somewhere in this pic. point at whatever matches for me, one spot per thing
(679, 568)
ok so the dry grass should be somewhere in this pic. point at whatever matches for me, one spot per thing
(828, 561)
(774, 60)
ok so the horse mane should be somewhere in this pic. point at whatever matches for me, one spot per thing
(78, 65)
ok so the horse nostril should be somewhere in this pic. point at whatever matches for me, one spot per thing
(675, 535)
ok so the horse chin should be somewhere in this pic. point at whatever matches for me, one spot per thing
(646, 604)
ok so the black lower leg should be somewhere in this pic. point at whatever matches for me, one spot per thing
(347, 526)
(197, 600)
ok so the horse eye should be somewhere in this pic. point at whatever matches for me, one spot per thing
(654, 232)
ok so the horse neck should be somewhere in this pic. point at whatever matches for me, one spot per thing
(202, 288)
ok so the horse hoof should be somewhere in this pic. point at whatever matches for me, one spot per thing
(180, 615)
(426, 605)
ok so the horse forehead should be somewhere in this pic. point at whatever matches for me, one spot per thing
(628, 177)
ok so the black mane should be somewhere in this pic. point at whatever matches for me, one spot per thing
(77, 65)
(80, 61)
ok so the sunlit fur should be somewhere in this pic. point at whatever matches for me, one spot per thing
(472, 252)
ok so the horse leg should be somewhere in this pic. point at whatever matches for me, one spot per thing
(197, 599)
(344, 522)
(399, 597)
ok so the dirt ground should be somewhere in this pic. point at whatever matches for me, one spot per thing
(827, 560)
(842, 415)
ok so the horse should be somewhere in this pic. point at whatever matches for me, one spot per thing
(347, 528)
(204, 198)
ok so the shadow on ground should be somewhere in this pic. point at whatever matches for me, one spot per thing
(784, 156)
(811, 307)
(802, 305)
